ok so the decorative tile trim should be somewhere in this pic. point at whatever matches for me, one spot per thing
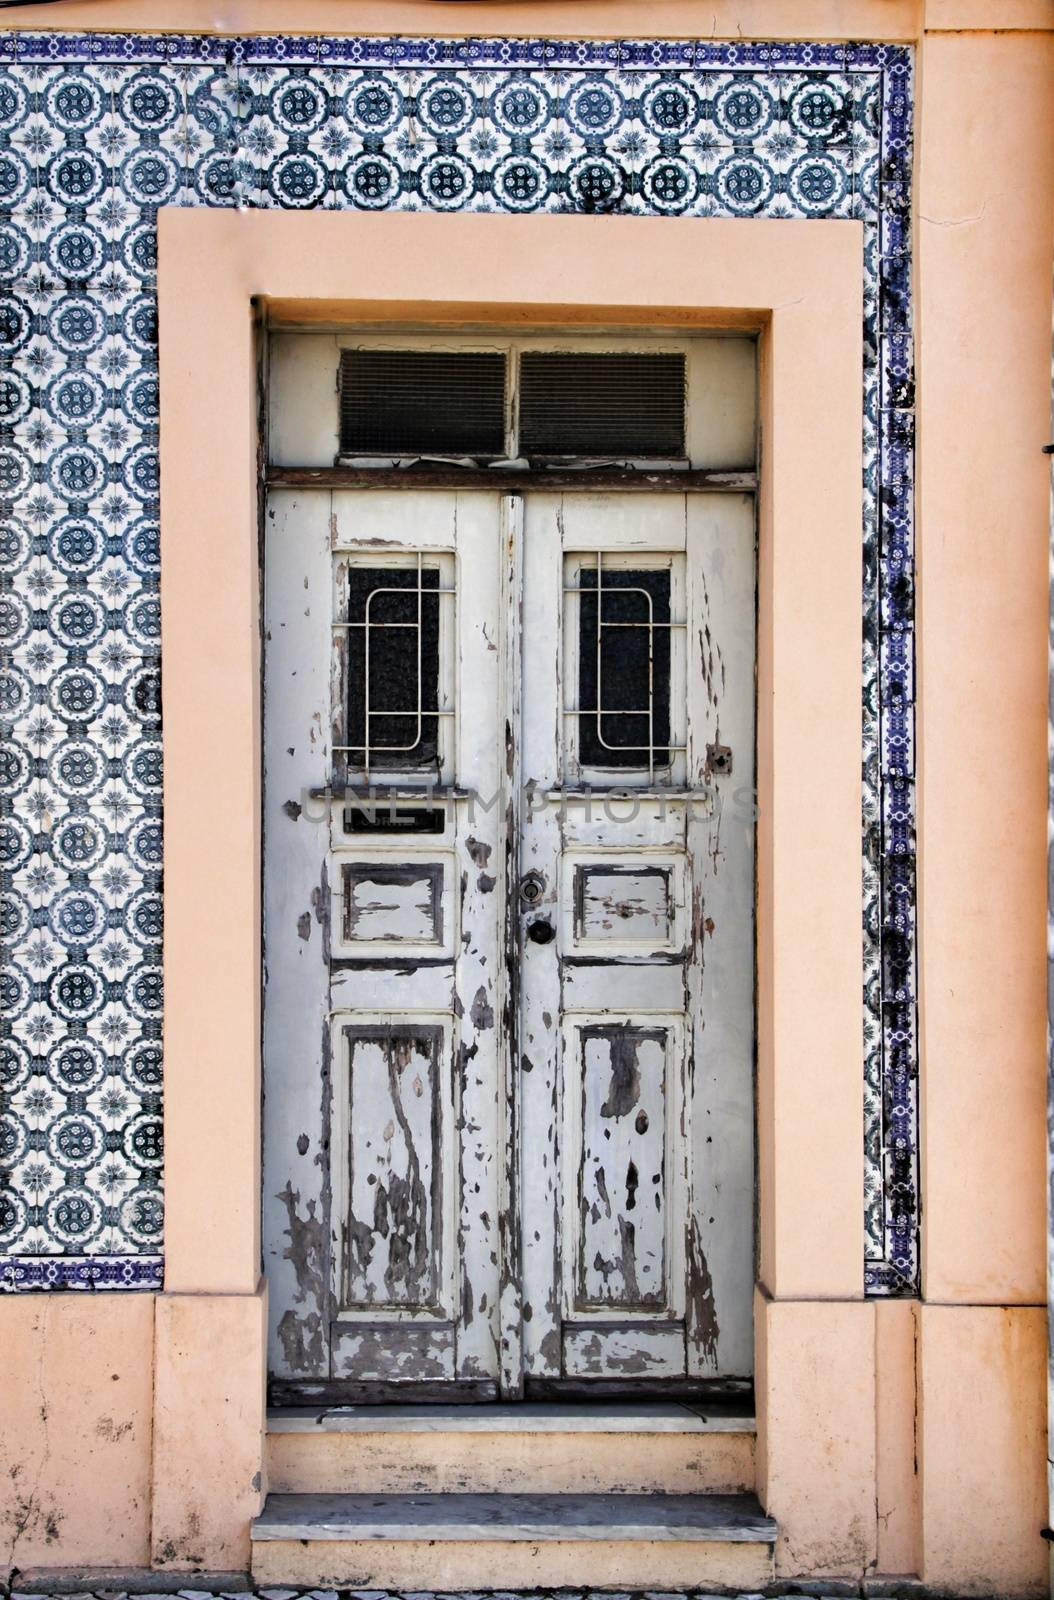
(399, 53)
(97, 131)
(24, 1273)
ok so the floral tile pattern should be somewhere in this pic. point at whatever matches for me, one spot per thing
(96, 132)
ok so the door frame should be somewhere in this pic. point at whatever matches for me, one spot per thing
(799, 285)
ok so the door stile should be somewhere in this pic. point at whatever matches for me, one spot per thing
(475, 977)
(542, 827)
(511, 790)
(720, 979)
(300, 1231)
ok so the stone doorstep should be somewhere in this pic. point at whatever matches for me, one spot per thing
(560, 1541)
(485, 1518)
(659, 1416)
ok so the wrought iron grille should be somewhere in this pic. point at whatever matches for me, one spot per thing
(393, 669)
(624, 629)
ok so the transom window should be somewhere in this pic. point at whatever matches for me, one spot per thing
(525, 405)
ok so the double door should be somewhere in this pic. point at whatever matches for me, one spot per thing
(508, 920)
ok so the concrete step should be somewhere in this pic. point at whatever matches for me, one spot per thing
(510, 1541)
(643, 1448)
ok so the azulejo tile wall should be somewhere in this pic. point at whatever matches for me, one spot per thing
(97, 132)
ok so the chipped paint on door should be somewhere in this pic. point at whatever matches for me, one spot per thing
(382, 1058)
(509, 940)
(620, 1096)
(393, 1227)
(636, 1020)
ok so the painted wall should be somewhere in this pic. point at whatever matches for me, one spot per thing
(919, 1425)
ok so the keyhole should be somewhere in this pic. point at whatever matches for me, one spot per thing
(531, 888)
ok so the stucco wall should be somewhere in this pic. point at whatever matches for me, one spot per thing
(76, 1441)
(921, 1431)
(984, 244)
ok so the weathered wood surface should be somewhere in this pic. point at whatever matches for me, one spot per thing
(390, 1123)
(393, 904)
(593, 1391)
(719, 997)
(297, 1219)
(565, 1185)
(371, 1391)
(429, 475)
(408, 1352)
(623, 902)
(396, 1117)
(730, 1518)
(621, 1090)
(607, 1206)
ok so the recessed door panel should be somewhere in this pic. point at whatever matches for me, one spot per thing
(630, 903)
(394, 904)
(394, 1096)
(619, 1077)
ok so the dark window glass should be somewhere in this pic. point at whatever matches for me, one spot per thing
(422, 402)
(402, 644)
(383, 817)
(631, 660)
(601, 405)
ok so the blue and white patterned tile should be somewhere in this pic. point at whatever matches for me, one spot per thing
(97, 131)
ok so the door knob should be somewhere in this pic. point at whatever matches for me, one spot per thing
(541, 931)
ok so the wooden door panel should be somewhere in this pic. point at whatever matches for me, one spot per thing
(631, 1351)
(620, 1085)
(644, 867)
(625, 903)
(397, 907)
(386, 677)
(394, 1355)
(393, 1090)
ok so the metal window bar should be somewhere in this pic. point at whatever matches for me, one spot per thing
(377, 711)
(598, 711)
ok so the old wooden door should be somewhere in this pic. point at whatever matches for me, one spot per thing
(636, 1023)
(508, 941)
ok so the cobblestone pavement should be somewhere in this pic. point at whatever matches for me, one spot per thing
(24, 1587)
(21, 1591)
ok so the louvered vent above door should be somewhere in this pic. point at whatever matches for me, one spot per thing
(422, 403)
(563, 405)
(615, 404)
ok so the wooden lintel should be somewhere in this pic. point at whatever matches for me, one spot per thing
(514, 481)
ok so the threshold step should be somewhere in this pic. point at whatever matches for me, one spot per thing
(648, 1416)
(509, 1542)
(487, 1517)
(645, 1448)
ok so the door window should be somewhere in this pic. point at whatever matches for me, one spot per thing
(393, 641)
(624, 647)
